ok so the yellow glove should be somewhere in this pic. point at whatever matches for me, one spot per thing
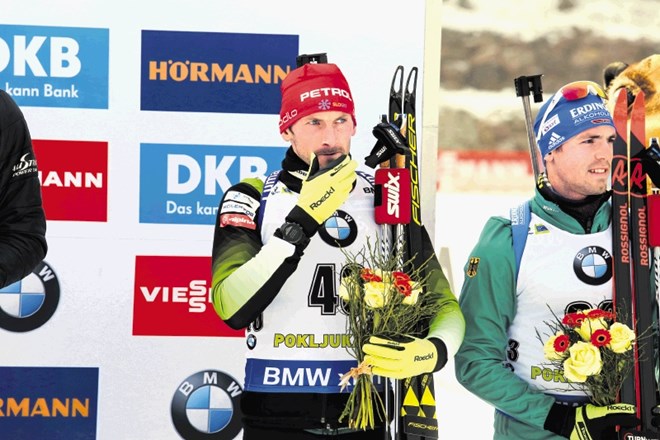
(590, 422)
(323, 192)
(407, 358)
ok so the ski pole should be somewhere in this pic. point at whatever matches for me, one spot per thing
(388, 148)
(524, 85)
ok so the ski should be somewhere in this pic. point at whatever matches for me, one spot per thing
(417, 412)
(638, 292)
(622, 293)
(645, 376)
(396, 153)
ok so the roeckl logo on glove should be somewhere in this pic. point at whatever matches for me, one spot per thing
(423, 358)
(620, 407)
(320, 201)
(338, 168)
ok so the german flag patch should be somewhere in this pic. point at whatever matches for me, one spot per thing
(472, 266)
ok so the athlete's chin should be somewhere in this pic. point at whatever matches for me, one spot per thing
(599, 189)
(325, 159)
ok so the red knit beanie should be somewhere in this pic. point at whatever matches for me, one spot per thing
(314, 88)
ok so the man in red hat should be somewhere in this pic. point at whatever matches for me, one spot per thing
(278, 248)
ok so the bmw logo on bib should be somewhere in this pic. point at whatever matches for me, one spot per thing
(593, 265)
(340, 230)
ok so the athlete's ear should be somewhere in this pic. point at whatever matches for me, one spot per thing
(287, 134)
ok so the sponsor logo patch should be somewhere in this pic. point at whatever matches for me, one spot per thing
(239, 197)
(238, 220)
(237, 208)
(593, 265)
(473, 264)
(550, 124)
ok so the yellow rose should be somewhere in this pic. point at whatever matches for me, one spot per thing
(344, 292)
(549, 348)
(373, 294)
(622, 337)
(584, 360)
(412, 298)
(589, 326)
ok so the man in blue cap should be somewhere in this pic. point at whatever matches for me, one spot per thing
(507, 302)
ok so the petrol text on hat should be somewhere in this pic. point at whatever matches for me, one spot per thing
(325, 91)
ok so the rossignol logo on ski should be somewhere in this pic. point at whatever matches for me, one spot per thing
(620, 175)
(637, 178)
(623, 238)
(642, 238)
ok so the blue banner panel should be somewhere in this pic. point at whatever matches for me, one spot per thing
(57, 403)
(44, 66)
(183, 184)
(215, 72)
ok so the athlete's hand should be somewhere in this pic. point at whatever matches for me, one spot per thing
(591, 422)
(323, 192)
(407, 358)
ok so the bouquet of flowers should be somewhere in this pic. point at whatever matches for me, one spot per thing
(594, 351)
(380, 300)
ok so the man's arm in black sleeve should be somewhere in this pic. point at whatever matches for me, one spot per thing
(22, 219)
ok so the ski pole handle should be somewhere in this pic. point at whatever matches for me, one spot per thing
(524, 85)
